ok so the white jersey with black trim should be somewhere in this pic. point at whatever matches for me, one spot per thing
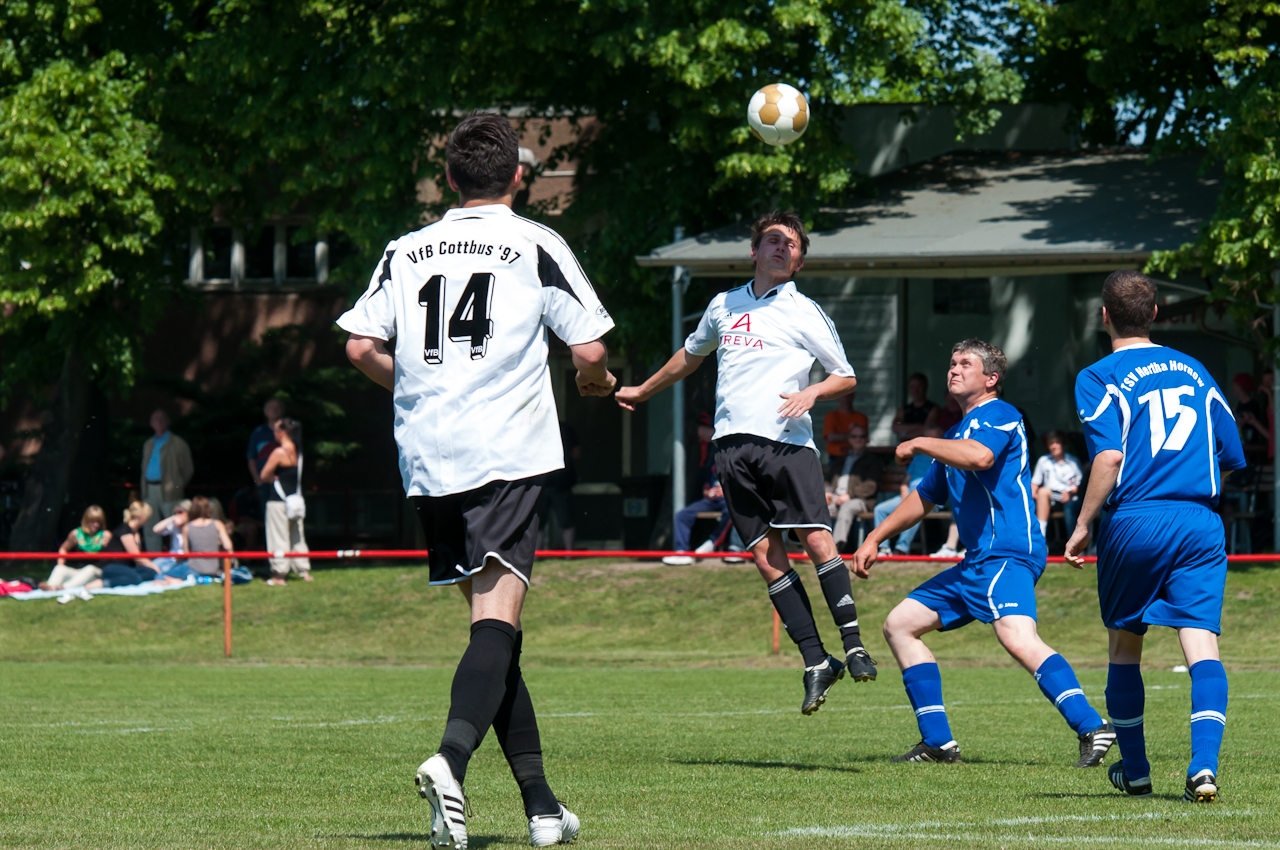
(766, 346)
(468, 301)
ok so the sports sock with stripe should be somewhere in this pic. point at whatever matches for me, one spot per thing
(1058, 683)
(1208, 715)
(924, 688)
(792, 605)
(516, 728)
(838, 590)
(1126, 700)
(479, 685)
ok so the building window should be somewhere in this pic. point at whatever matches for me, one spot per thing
(951, 297)
(265, 257)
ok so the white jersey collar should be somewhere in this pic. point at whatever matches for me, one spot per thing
(782, 287)
(1137, 345)
(473, 212)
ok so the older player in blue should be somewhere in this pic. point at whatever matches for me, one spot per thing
(983, 465)
(1160, 434)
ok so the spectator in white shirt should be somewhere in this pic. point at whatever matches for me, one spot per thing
(1056, 480)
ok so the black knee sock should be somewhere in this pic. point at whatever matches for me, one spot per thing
(479, 686)
(792, 605)
(836, 587)
(516, 728)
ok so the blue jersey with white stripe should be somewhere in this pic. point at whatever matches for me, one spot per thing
(1165, 413)
(992, 508)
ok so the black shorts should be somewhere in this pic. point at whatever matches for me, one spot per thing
(501, 520)
(768, 484)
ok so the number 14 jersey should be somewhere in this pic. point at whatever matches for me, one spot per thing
(468, 301)
(1165, 413)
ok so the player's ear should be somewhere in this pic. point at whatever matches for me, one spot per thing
(1106, 319)
(453, 184)
(799, 265)
(515, 181)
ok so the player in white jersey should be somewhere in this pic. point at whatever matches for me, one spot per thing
(468, 302)
(767, 336)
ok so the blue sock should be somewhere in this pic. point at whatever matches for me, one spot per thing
(924, 688)
(1208, 715)
(1057, 681)
(1126, 700)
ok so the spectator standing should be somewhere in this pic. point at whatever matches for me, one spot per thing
(836, 425)
(90, 537)
(1251, 415)
(1056, 481)
(166, 470)
(915, 471)
(203, 533)
(852, 489)
(712, 498)
(283, 473)
(262, 442)
(918, 412)
(560, 485)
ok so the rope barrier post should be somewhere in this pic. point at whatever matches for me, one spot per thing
(226, 607)
(777, 631)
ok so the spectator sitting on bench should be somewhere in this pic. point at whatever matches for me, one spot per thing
(1056, 481)
(835, 430)
(915, 471)
(712, 499)
(852, 488)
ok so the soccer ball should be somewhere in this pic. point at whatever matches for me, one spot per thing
(778, 114)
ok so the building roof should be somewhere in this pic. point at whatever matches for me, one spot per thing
(982, 214)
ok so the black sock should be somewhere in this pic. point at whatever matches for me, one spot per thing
(836, 587)
(479, 686)
(516, 728)
(792, 605)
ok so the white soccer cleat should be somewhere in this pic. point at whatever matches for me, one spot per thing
(437, 786)
(549, 830)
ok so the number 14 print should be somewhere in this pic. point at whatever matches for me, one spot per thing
(470, 321)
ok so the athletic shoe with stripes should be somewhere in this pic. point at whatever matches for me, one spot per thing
(817, 681)
(549, 830)
(1136, 788)
(1094, 745)
(437, 786)
(1201, 788)
(948, 753)
(860, 666)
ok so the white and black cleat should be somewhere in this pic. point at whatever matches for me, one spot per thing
(550, 830)
(437, 786)
(860, 666)
(1094, 745)
(817, 681)
(1201, 788)
(948, 753)
(1134, 788)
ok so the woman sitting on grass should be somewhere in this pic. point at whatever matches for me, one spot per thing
(203, 533)
(126, 541)
(91, 537)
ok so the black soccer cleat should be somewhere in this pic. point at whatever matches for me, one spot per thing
(818, 681)
(1094, 745)
(946, 754)
(1201, 788)
(1136, 788)
(860, 666)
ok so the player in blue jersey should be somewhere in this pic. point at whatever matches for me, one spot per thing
(1161, 436)
(983, 465)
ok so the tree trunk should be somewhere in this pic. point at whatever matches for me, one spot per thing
(36, 527)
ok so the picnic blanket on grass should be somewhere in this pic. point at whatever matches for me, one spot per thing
(147, 588)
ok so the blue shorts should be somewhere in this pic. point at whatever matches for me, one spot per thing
(1161, 564)
(985, 590)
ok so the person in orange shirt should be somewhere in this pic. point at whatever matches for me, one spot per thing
(836, 425)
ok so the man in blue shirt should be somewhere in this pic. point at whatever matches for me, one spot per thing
(1160, 435)
(984, 466)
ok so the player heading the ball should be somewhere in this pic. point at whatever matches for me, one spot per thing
(982, 464)
(1161, 437)
(767, 335)
(468, 301)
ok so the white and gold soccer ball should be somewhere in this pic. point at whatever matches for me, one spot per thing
(778, 114)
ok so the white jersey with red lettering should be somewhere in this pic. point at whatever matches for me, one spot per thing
(468, 301)
(766, 347)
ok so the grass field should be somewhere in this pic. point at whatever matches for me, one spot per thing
(665, 721)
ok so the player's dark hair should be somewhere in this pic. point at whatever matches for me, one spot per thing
(919, 376)
(483, 153)
(1130, 299)
(779, 217)
(993, 360)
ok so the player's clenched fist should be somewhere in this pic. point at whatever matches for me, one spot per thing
(595, 386)
(904, 453)
(629, 397)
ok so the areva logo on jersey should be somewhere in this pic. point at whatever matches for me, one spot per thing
(739, 340)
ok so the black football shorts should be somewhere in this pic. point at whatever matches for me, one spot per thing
(500, 520)
(768, 484)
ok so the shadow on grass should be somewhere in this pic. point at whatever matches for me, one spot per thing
(785, 765)
(424, 838)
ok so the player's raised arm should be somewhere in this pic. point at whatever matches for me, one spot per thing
(681, 365)
(969, 455)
